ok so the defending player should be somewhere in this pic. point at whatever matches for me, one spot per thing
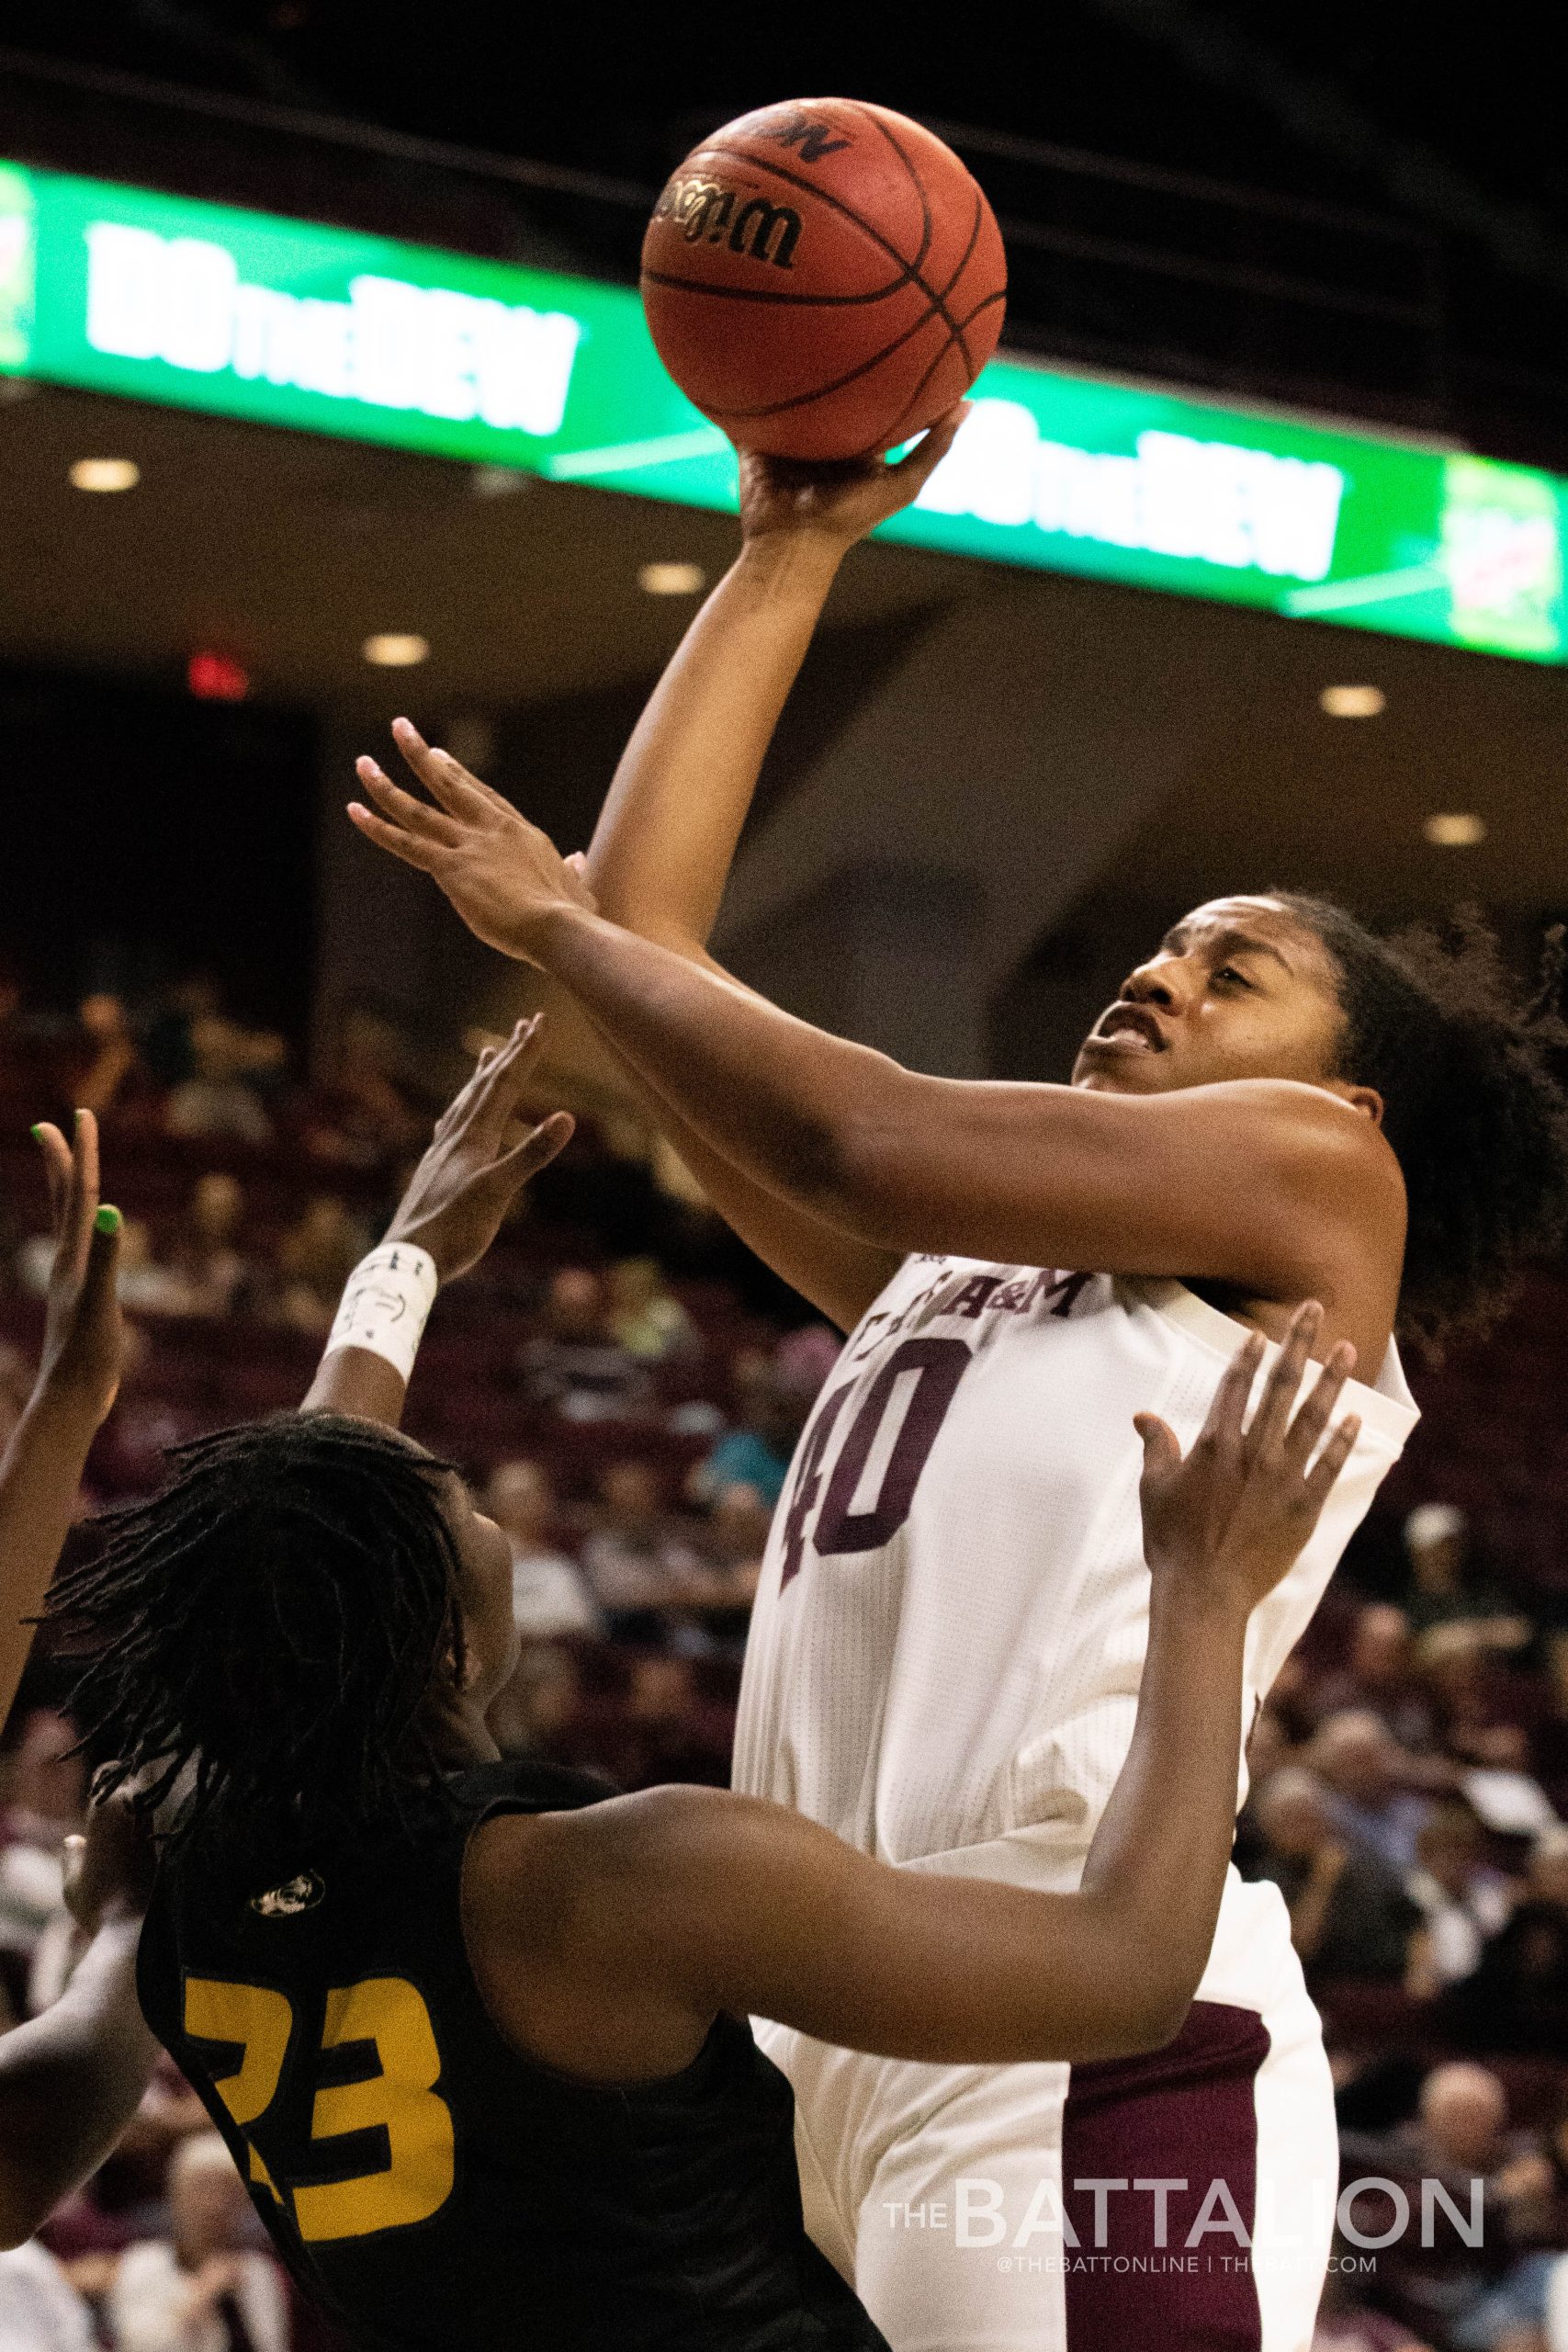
(1277, 1106)
(475, 2038)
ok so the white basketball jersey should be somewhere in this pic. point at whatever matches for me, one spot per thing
(946, 1648)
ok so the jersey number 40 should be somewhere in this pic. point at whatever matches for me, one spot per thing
(399, 2098)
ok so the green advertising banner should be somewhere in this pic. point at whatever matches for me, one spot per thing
(288, 322)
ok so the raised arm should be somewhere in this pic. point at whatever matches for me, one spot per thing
(607, 1938)
(70, 2080)
(481, 1155)
(666, 839)
(40, 1471)
(1278, 1187)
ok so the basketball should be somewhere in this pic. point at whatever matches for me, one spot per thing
(823, 278)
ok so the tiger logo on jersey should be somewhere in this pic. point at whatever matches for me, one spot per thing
(295, 1895)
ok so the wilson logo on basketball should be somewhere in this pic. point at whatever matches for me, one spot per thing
(814, 139)
(704, 209)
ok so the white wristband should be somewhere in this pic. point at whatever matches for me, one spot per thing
(384, 1303)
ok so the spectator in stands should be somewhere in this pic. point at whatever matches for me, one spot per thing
(109, 1057)
(47, 1802)
(40, 2310)
(534, 1716)
(1516, 1998)
(315, 1258)
(1346, 2325)
(577, 1365)
(220, 1102)
(171, 1022)
(1437, 2274)
(202, 1272)
(549, 1594)
(638, 1560)
(646, 1317)
(204, 1246)
(1380, 1678)
(1486, 1707)
(361, 1117)
(1462, 1898)
(1351, 1915)
(204, 2289)
(757, 1452)
(1445, 1586)
(734, 1537)
(1368, 1798)
(668, 1730)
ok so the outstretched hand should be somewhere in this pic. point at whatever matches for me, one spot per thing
(84, 1339)
(844, 501)
(108, 1873)
(502, 874)
(1237, 1512)
(477, 1163)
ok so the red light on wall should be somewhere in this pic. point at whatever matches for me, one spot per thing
(216, 677)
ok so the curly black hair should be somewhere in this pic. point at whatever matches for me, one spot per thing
(259, 1640)
(1472, 1105)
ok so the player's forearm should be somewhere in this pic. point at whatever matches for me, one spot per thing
(70, 2082)
(776, 1098)
(1156, 1868)
(40, 1476)
(664, 842)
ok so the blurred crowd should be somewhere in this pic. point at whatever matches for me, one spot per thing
(628, 1417)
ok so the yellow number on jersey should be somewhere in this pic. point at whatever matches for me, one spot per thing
(261, 2022)
(388, 2013)
(399, 2098)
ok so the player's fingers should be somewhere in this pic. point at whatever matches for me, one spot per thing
(1161, 1453)
(444, 778)
(415, 816)
(537, 1148)
(85, 1161)
(423, 854)
(496, 1094)
(1317, 1406)
(1230, 1398)
(103, 1265)
(929, 452)
(1331, 1461)
(1281, 1387)
(56, 1169)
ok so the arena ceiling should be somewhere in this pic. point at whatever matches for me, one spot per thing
(284, 552)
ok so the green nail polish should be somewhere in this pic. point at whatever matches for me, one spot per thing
(37, 1132)
(108, 1220)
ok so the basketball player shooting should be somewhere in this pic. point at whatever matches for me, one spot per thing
(949, 1637)
(474, 2032)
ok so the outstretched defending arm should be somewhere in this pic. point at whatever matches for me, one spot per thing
(78, 1378)
(741, 1905)
(666, 839)
(481, 1155)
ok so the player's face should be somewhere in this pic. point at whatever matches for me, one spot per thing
(490, 1631)
(1239, 989)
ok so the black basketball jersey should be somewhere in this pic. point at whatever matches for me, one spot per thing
(431, 2187)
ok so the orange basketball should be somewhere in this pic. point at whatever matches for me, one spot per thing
(823, 278)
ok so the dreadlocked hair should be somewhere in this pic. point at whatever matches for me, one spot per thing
(259, 1639)
(1476, 1112)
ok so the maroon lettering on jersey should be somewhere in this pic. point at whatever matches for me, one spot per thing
(809, 1481)
(974, 1294)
